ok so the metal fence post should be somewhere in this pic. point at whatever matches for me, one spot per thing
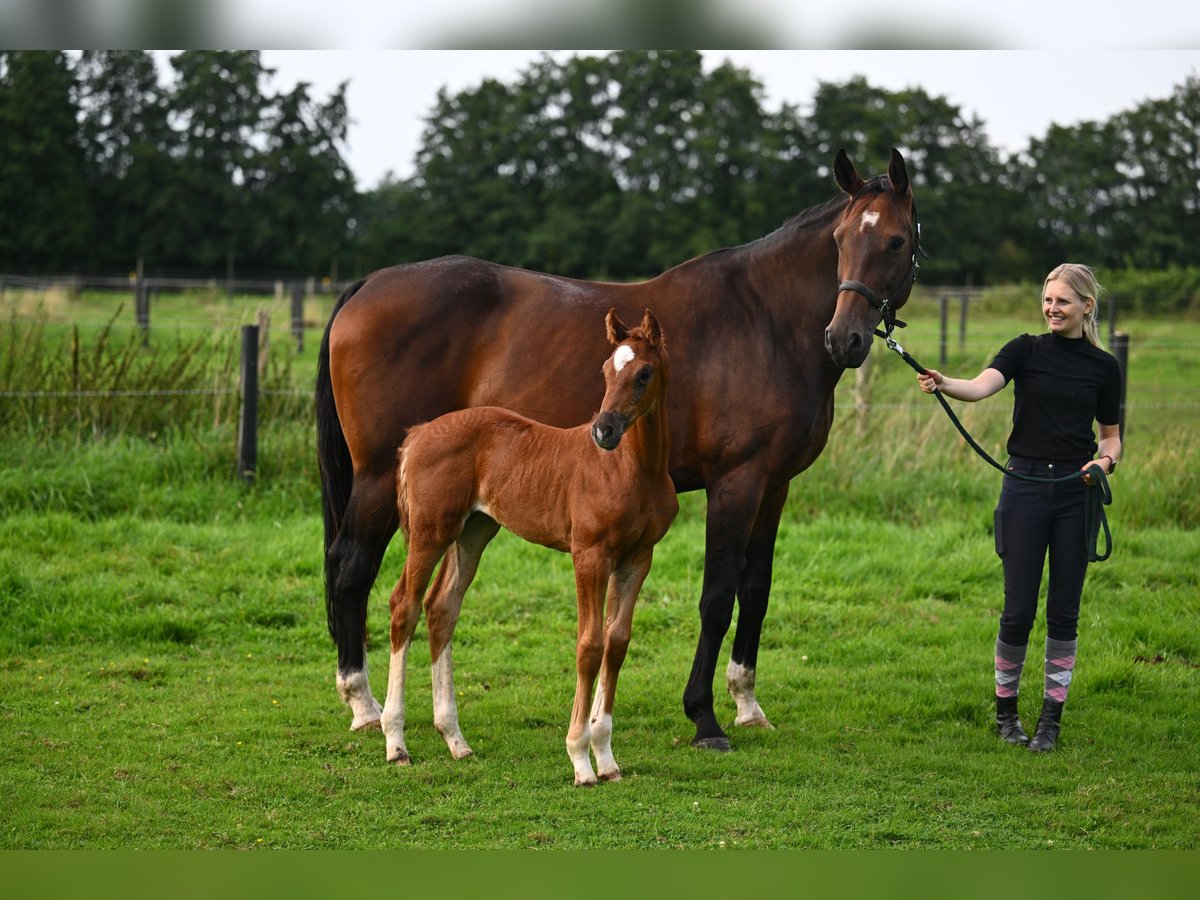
(247, 450)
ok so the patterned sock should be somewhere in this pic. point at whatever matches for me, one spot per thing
(1009, 662)
(1060, 664)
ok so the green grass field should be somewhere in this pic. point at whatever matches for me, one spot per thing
(167, 679)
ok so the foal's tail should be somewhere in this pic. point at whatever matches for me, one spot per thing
(333, 456)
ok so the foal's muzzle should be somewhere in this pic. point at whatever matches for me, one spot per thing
(607, 430)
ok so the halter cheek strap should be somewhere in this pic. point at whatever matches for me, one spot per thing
(884, 304)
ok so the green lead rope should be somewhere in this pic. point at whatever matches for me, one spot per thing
(1099, 494)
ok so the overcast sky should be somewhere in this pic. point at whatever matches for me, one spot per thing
(1017, 94)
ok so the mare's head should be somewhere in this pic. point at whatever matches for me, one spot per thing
(877, 243)
(635, 378)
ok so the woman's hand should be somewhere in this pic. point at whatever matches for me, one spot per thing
(930, 380)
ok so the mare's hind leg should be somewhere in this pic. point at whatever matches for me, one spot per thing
(350, 569)
(754, 588)
(406, 611)
(442, 607)
(623, 588)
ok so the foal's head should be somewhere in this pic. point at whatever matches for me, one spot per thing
(877, 245)
(635, 377)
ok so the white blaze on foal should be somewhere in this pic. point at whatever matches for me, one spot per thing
(622, 357)
(868, 220)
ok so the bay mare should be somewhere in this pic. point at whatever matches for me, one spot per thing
(600, 491)
(762, 333)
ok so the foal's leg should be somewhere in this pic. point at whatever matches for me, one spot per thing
(754, 588)
(442, 607)
(592, 570)
(406, 612)
(624, 586)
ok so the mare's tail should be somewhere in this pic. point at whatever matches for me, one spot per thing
(333, 456)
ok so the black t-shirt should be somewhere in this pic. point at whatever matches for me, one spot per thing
(1061, 385)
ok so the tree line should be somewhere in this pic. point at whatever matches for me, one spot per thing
(612, 167)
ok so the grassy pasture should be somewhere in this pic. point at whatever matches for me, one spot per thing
(167, 681)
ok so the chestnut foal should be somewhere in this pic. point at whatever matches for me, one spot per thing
(600, 491)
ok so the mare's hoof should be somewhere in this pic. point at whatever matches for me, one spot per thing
(716, 744)
(757, 722)
(369, 725)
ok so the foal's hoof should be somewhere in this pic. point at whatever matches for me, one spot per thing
(615, 775)
(366, 725)
(585, 782)
(716, 744)
(401, 759)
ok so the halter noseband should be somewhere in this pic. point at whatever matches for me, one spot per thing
(884, 304)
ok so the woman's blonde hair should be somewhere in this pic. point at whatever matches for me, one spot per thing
(1082, 280)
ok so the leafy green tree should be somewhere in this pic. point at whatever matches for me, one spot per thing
(129, 145)
(300, 187)
(217, 106)
(43, 193)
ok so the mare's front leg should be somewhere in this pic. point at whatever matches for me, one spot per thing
(351, 564)
(624, 587)
(442, 607)
(732, 508)
(753, 591)
(405, 607)
(592, 570)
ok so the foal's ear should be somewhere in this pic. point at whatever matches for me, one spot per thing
(617, 330)
(651, 329)
(898, 174)
(847, 176)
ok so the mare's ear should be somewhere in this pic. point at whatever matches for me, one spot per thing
(847, 177)
(617, 330)
(898, 174)
(651, 329)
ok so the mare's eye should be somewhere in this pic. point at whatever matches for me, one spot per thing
(896, 243)
(644, 376)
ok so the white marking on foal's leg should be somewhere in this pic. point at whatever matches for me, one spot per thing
(445, 707)
(392, 720)
(355, 691)
(740, 682)
(622, 356)
(868, 220)
(577, 749)
(601, 725)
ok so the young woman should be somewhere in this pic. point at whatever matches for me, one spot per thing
(1063, 382)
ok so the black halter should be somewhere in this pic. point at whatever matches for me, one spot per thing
(884, 304)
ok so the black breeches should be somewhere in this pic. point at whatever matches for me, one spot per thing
(1033, 521)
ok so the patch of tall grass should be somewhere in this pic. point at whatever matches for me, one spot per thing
(86, 383)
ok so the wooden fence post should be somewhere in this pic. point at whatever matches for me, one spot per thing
(962, 320)
(1120, 347)
(141, 303)
(1112, 320)
(298, 316)
(247, 450)
(944, 305)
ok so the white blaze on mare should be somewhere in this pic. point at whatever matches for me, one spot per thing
(868, 220)
(623, 355)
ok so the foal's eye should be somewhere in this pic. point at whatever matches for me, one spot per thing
(644, 376)
(896, 244)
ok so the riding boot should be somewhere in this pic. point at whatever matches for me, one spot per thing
(1046, 734)
(1008, 726)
